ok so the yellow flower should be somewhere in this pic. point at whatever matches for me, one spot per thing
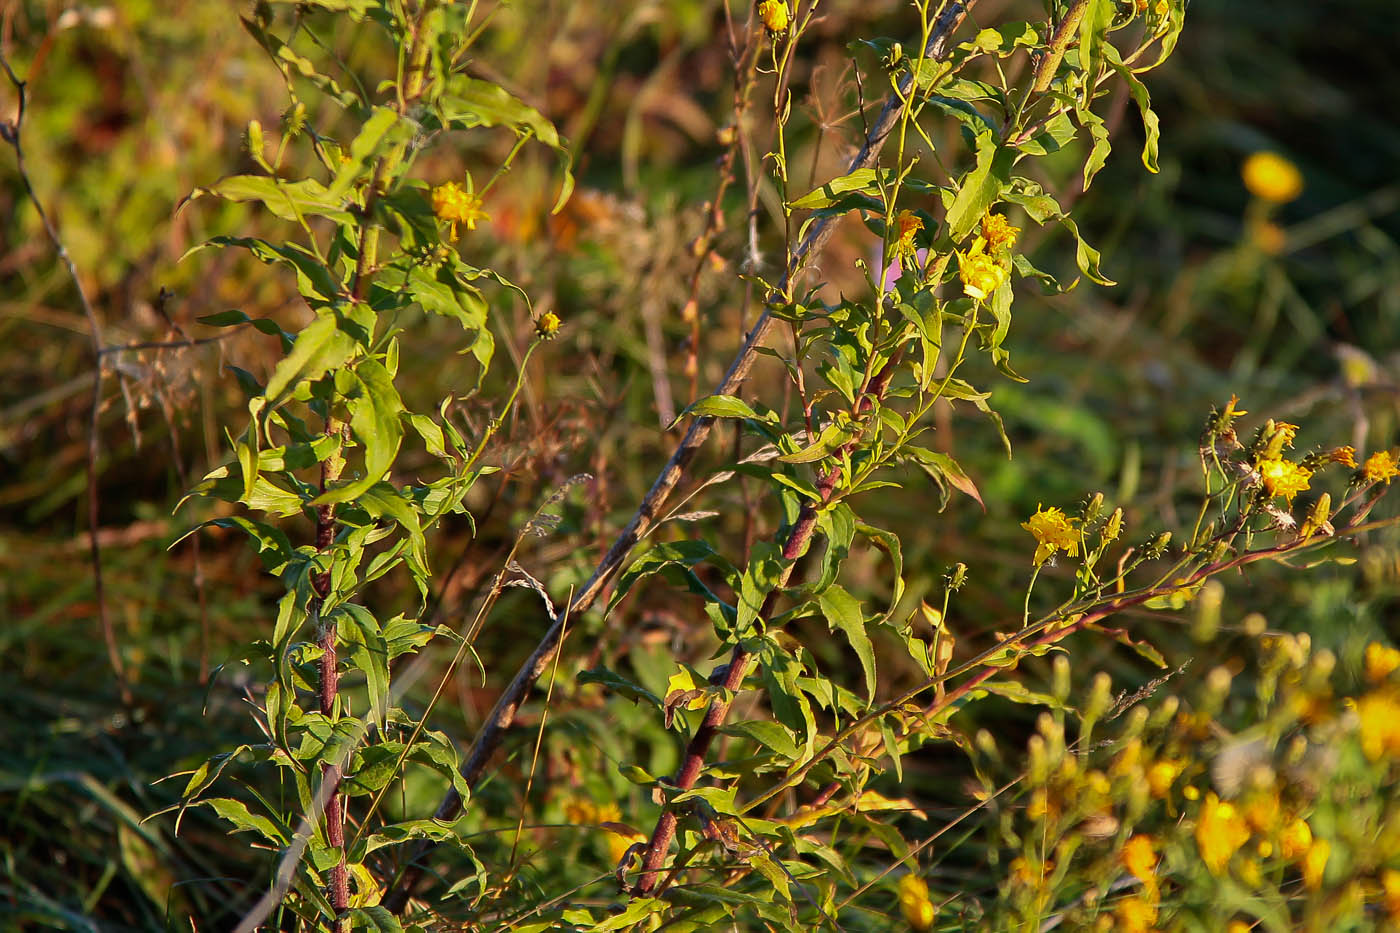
(1271, 177)
(998, 233)
(1315, 863)
(1238, 926)
(1161, 775)
(1053, 531)
(1381, 661)
(1379, 714)
(914, 902)
(774, 14)
(1262, 810)
(908, 224)
(1136, 915)
(580, 811)
(1346, 456)
(1380, 467)
(1390, 892)
(456, 205)
(1284, 478)
(1220, 831)
(1295, 838)
(547, 326)
(981, 275)
(1139, 857)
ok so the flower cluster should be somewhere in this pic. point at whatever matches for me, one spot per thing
(907, 226)
(455, 205)
(1053, 531)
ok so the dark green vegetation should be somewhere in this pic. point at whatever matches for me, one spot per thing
(130, 112)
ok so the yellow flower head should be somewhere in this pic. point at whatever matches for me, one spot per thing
(1271, 177)
(547, 326)
(1390, 892)
(1238, 926)
(1284, 478)
(981, 275)
(1136, 915)
(774, 14)
(1381, 661)
(1295, 838)
(914, 902)
(1139, 857)
(907, 225)
(998, 233)
(1346, 456)
(1315, 863)
(1161, 776)
(1220, 831)
(1380, 467)
(1053, 531)
(1379, 716)
(456, 205)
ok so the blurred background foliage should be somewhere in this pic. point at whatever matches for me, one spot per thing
(1294, 307)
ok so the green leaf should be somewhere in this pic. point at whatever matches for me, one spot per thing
(638, 909)
(842, 611)
(375, 918)
(467, 102)
(237, 813)
(766, 733)
(289, 200)
(1138, 91)
(724, 406)
(865, 180)
(357, 628)
(1098, 155)
(619, 684)
(384, 128)
(320, 347)
(374, 405)
(315, 282)
(980, 187)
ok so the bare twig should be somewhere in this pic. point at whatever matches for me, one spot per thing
(10, 133)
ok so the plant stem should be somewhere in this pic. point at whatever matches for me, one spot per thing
(493, 731)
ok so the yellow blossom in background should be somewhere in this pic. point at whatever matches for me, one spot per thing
(907, 225)
(998, 232)
(580, 811)
(1136, 915)
(1315, 863)
(1390, 892)
(1380, 467)
(1271, 177)
(1262, 810)
(1161, 776)
(1220, 831)
(1139, 857)
(914, 902)
(1295, 838)
(1379, 715)
(456, 205)
(981, 275)
(774, 14)
(1238, 926)
(1381, 661)
(547, 326)
(1053, 531)
(1284, 478)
